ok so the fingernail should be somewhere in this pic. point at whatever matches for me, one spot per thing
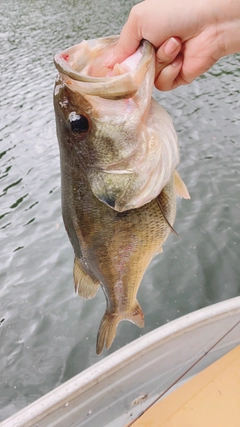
(108, 61)
(111, 60)
(177, 61)
(171, 46)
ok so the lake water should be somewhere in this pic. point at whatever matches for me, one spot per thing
(47, 333)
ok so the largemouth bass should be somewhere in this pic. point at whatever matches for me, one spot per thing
(118, 153)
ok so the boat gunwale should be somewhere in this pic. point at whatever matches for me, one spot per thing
(101, 370)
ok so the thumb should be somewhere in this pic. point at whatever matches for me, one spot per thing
(128, 42)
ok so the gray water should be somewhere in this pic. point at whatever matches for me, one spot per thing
(47, 334)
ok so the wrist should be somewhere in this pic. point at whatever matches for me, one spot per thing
(228, 28)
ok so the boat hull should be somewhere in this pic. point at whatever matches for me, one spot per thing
(114, 391)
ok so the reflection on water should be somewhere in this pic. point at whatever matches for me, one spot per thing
(47, 333)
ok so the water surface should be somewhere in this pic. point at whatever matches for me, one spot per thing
(47, 334)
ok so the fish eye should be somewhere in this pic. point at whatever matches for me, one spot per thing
(79, 123)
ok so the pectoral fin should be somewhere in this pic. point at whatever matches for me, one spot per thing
(165, 218)
(180, 187)
(85, 285)
(108, 327)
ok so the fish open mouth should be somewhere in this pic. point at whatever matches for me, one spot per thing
(85, 65)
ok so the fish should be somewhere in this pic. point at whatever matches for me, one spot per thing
(118, 158)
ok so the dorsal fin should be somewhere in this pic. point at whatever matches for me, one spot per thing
(85, 286)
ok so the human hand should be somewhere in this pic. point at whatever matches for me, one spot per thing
(189, 37)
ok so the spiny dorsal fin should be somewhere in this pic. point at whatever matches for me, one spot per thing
(84, 284)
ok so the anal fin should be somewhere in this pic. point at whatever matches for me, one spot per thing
(108, 326)
(85, 285)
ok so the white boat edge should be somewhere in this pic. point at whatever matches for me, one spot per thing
(77, 385)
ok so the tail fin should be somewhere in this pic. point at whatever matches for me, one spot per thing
(108, 326)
